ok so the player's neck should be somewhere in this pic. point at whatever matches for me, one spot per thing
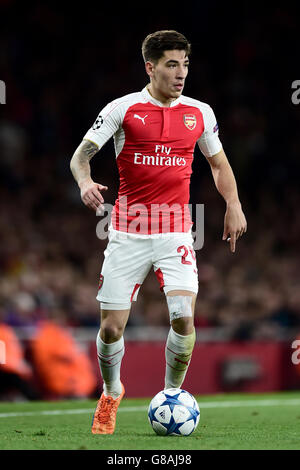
(165, 101)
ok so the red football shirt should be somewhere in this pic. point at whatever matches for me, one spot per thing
(154, 148)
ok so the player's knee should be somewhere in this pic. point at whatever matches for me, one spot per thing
(181, 313)
(110, 332)
(183, 326)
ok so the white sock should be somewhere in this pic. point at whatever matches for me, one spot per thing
(178, 354)
(110, 358)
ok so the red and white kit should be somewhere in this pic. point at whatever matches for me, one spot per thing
(154, 148)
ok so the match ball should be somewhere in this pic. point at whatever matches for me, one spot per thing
(173, 412)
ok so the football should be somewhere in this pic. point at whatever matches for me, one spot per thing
(173, 412)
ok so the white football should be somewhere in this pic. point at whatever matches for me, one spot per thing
(173, 412)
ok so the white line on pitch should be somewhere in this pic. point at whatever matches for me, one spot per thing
(212, 404)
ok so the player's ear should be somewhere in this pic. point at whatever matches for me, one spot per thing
(149, 66)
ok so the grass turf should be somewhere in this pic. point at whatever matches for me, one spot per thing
(231, 421)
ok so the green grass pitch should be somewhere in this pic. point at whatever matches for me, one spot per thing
(231, 421)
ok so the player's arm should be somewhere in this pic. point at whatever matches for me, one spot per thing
(90, 191)
(234, 221)
(105, 126)
(209, 143)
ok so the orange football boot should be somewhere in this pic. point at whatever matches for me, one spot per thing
(104, 419)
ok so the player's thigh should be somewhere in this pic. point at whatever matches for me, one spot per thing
(183, 293)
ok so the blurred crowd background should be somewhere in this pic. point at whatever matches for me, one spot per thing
(61, 66)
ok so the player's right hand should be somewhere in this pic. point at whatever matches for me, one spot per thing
(91, 196)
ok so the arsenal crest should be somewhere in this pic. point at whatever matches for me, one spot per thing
(100, 281)
(190, 121)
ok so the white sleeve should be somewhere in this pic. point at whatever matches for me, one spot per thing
(209, 142)
(106, 125)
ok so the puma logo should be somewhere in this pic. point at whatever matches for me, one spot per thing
(141, 118)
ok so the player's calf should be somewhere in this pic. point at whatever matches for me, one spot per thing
(178, 353)
(181, 339)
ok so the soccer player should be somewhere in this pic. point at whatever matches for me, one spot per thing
(155, 131)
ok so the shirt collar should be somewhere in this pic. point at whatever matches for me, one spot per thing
(152, 100)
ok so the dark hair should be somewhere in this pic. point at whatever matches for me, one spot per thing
(155, 44)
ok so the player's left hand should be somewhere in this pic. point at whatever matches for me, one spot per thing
(235, 224)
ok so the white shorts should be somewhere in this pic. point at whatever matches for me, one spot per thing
(128, 260)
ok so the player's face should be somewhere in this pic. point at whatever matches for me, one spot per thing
(169, 73)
